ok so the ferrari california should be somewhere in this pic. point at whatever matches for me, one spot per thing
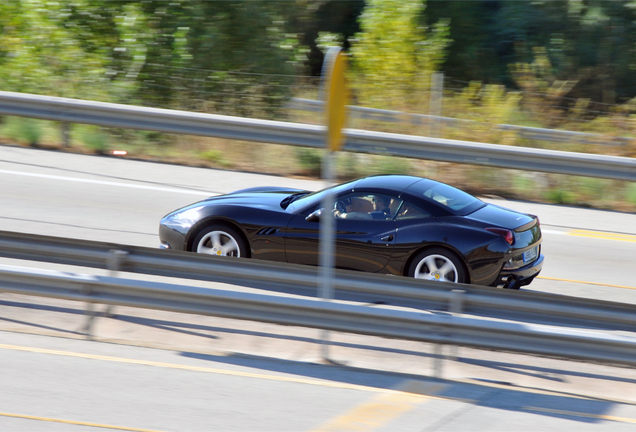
(391, 224)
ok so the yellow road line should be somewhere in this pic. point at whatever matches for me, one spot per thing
(77, 423)
(381, 409)
(588, 283)
(197, 368)
(401, 399)
(603, 235)
(581, 414)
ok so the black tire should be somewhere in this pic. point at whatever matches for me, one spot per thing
(220, 240)
(437, 264)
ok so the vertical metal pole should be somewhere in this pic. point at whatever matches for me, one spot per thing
(115, 262)
(437, 91)
(90, 313)
(437, 361)
(334, 93)
(327, 249)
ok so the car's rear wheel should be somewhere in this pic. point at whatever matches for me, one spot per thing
(221, 241)
(437, 264)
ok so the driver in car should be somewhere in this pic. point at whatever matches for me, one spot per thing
(381, 207)
(380, 210)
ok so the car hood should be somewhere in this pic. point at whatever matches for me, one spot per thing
(494, 215)
(277, 189)
(253, 198)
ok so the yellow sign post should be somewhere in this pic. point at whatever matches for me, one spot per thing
(336, 98)
(335, 94)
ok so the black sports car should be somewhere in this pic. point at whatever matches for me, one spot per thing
(392, 224)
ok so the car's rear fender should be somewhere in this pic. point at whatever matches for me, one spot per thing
(477, 248)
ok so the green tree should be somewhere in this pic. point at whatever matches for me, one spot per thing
(39, 54)
(236, 56)
(393, 56)
(589, 42)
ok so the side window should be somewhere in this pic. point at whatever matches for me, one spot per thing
(366, 206)
(409, 211)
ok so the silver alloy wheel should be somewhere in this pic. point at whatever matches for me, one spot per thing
(436, 268)
(219, 243)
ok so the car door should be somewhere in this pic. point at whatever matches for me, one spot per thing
(416, 227)
(364, 244)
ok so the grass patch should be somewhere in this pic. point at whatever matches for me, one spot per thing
(391, 165)
(559, 196)
(310, 161)
(216, 157)
(630, 193)
(93, 138)
(24, 130)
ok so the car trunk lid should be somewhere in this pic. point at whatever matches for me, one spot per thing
(494, 215)
(524, 227)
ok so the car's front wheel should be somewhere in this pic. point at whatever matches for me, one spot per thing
(221, 241)
(437, 264)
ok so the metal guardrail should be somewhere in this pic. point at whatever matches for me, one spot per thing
(182, 122)
(542, 134)
(334, 316)
(303, 280)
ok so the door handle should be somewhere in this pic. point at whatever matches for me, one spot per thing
(388, 238)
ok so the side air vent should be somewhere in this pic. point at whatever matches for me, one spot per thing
(268, 231)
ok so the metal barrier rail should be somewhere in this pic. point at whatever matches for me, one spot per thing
(183, 122)
(391, 116)
(303, 280)
(383, 322)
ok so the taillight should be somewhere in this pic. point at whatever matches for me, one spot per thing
(506, 234)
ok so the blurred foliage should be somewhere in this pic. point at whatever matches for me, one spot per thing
(216, 157)
(310, 161)
(152, 52)
(24, 130)
(39, 54)
(590, 42)
(390, 165)
(244, 56)
(567, 64)
(393, 56)
(92, 137)
(631, 194)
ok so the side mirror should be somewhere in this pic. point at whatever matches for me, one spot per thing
(314, 216)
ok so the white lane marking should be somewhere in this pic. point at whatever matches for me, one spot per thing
(545, 231)
(108, 183)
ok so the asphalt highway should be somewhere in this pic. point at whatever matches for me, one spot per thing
(589, 253)
(151, 371)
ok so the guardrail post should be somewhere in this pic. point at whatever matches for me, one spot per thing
(114, 264)
(90, 312)
(438, 361)
(455, 307)
(456, 304)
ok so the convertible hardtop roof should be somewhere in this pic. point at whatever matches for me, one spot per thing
(389, 182)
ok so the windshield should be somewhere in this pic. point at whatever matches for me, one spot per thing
(301, 202)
